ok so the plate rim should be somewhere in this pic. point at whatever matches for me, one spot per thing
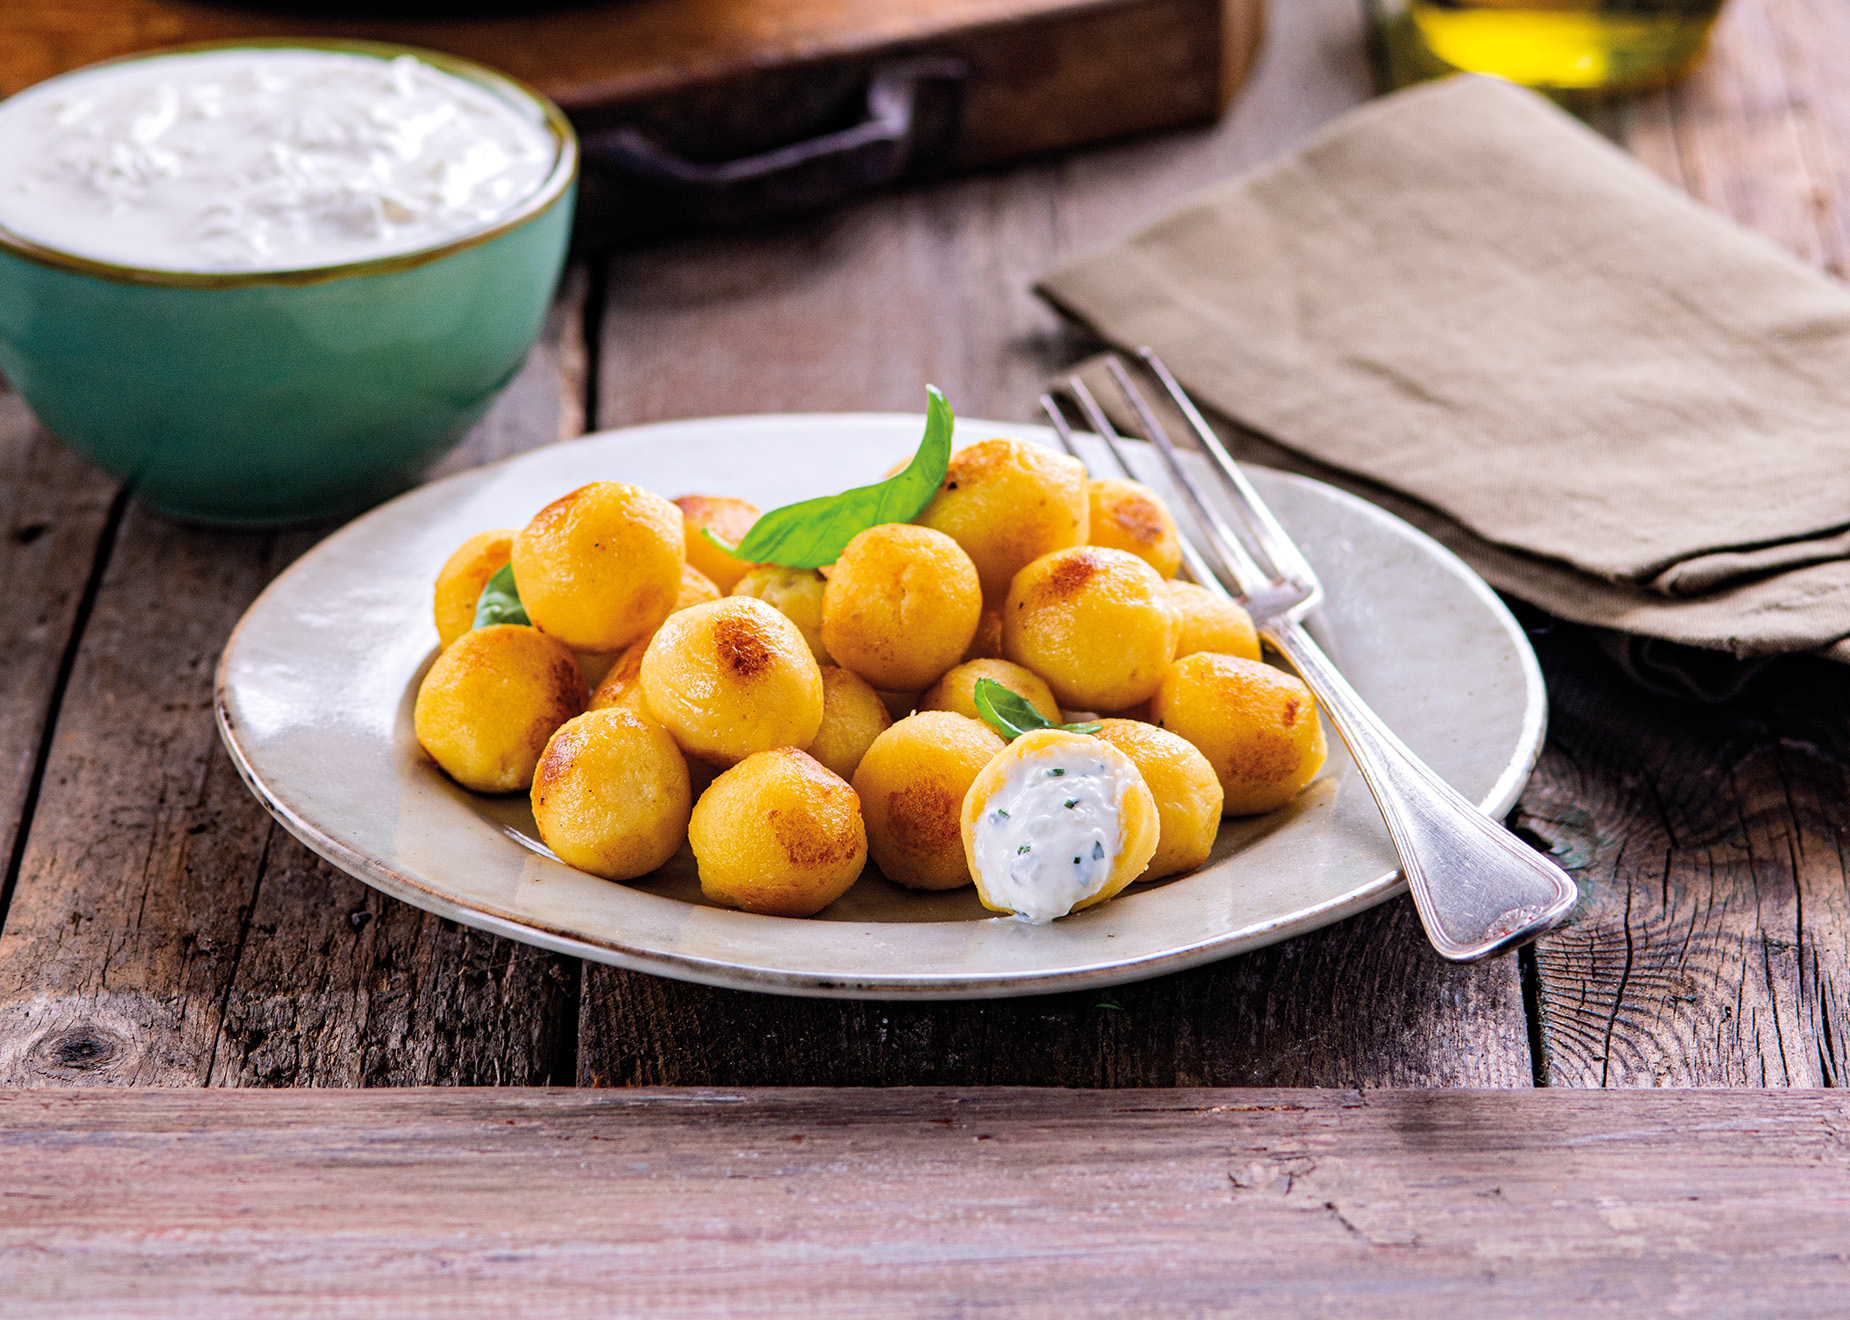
(395, 882)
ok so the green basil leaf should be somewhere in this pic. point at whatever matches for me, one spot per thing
(500, 601)
(1011, 715)
(815, 532)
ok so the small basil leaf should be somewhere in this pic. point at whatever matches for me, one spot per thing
(815, 532)
(500, 601)
(1007, 712)
(1011, 715)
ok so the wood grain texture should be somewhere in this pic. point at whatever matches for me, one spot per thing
(1710, 948)
(1364, 1003)
(164, 930)
(578, 54)
(859, 311)
(55, 517)
(927, 1203)
(713, 76)
(1711, 945)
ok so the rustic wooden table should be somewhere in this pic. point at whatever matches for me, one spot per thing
(161, 929)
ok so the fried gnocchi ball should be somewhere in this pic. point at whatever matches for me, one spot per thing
(956, 691)
(1007, 503)
(901, 606)
(796, 593)
(987, 644)
(778, 834)
(1257, 726)
(1058, 822)
(852, 717)
(1128, 515)
(1211, 622)
(462, 577)
(912, 783)
(611, 794)
(621, 686)
(1188, 796)
(726, 518)
(1095, 623)
(600, 567)
(490, 702)
(730, 678)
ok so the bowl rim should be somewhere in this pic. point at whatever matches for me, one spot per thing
(555, 185)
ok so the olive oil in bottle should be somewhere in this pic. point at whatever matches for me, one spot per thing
(1565, 45)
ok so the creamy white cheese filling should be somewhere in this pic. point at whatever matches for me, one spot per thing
(1048, 837)
(257, 160)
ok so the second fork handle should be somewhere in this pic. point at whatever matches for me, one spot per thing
(1479, 889)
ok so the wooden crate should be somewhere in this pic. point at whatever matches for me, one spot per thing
(716, 80)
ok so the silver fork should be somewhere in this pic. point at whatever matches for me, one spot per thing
(1479, 889)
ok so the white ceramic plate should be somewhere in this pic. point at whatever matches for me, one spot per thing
(316, 686)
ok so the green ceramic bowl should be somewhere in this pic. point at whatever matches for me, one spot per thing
(264, 398)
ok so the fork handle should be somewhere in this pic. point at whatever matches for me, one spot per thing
(1479, 889)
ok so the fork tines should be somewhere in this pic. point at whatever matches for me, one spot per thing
(1284, 582)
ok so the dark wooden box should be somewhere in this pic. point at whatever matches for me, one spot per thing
(727, 111)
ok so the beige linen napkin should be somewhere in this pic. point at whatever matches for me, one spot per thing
(1611, 401)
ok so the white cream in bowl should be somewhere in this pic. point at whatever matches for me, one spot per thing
(262, 159)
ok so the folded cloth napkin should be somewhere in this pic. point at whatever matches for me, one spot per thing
(1459, 300)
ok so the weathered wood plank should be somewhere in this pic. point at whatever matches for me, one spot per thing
(1362, 1004)
(164, 930)
(1710, 948)
(55, 516)
(931, 1203)
(858, 311)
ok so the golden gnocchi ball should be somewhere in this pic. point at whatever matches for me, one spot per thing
(912, 783)
(1095, 623)
(956, 691)
(1058, 822)
(1188, 795)
(1257, 726)
(1007, 503)
(490, 702)
(726, 518)
(1211, 622)
(1128, 515)
(730, 678)
(611, 794)
(852, 717)
(901, 606)
(600, 567)
(987, 644)
(462, 577)
(778, 834)
(621, 686)
(796, 593)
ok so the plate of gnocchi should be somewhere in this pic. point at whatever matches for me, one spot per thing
(854, 705)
